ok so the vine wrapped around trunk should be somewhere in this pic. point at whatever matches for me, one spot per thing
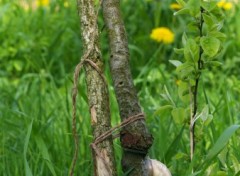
(135, 138)
(98, 98)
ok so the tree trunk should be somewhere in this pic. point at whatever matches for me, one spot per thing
(135, 138)
(98, 98)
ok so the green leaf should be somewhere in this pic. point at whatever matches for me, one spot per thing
(185, 70)
(180, 155)
(18, 65)
(205, 116)
(217, 27)
(210, 45)
(167, 96)
(192, 26)
(178, 115)
(204, 113)
(176, 63)
(218, 14)
(236, 164)
(186, 92)
(208, 20)
(208, 5)
(162, 110)
(219, 35)
(181, 2)
(221, 142)
(222, 156)
(208, 120)
(221, 173)
(194, 7)
(191, 51)
(178, 50)
(182, 11)
(183, 87)
(184, 39)
(215, 63)
(28, 171)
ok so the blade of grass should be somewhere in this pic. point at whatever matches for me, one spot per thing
(172, 148)
(221, 142)
(44, 152)
(28, 171)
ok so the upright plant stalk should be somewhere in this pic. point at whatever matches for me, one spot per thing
(98, 97)
(195, 91)
(200, 52)
(135, 138)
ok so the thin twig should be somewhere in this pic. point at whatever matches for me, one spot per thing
(193, 100)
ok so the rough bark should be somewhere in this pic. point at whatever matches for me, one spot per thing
(135, 138)
(97, 90)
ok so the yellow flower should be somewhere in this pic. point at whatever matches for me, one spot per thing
(66, 4)
(221, 3)
(162, 34)
(225, 5)
(175, 6)
(42, 3)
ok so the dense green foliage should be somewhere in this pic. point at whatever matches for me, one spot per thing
(39, 49)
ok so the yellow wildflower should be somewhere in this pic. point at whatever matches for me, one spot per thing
(221, 4)
(175, 6)
(43, 3)
(225, 5)
(162, 34)
(66, 4)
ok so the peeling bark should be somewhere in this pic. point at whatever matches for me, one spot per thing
(98, 98)
(135, 138)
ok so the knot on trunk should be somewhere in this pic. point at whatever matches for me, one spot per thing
(136, 142)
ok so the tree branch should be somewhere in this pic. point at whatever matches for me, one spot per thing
(135, 138)
(98, 98)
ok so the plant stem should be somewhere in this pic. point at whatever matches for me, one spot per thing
(195, 92)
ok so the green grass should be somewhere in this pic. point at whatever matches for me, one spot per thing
(38, 52)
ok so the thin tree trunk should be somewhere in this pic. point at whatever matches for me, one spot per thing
(135, 138)
(98, 98)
